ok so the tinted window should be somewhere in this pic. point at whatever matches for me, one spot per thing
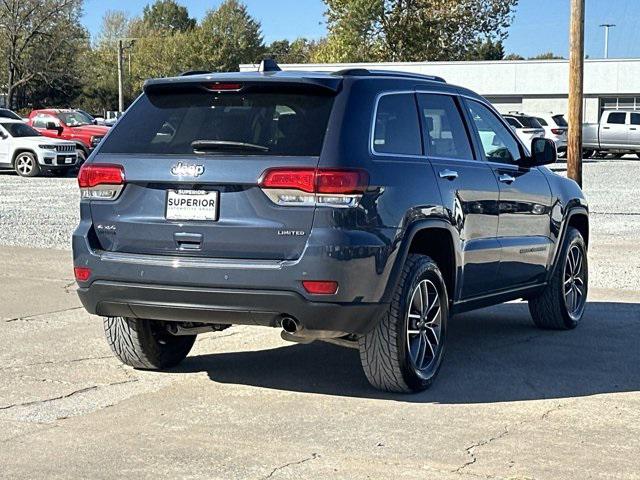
(560, 121)
(529, 122)
(20, 130)
(635, 119)
(513, 122)
(444, 131)
(498, 143)
(542, 122)
(4, 113)
(396, 126)
(617, 118)
(265, 123)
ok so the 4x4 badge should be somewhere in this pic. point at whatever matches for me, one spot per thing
(183, 170)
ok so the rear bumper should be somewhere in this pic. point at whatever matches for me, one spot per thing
(227, 306)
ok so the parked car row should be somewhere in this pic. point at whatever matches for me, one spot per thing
(528, 127)
(71, 137)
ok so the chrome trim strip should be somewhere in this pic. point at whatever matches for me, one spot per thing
(193, 262)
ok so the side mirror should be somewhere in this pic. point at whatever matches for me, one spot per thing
(543, 152)
(51, 126)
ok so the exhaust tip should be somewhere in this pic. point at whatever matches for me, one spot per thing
(290, 325)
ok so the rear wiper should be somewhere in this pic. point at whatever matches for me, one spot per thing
(225, 146)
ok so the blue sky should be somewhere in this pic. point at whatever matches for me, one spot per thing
(539, 25)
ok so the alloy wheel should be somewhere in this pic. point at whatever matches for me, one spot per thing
(24, 164)
(424, 325)
(575, 288)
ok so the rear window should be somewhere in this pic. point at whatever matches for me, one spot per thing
(529, 122)
(264, 123)
(560, 121)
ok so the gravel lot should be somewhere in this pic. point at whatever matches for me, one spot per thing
(43, 212)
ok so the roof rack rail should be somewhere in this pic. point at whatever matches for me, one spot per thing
(365, 72)
(194, 72)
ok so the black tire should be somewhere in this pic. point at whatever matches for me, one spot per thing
(386, 351)
(82, 157)
(26, 165)
(146, 344)
(551, 310)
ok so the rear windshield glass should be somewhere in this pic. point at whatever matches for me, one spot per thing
(560, 121)
(529, 122)
(258, 123)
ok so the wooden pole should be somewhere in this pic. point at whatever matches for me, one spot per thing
(576, 77)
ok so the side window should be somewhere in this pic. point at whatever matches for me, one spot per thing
(444, 132)
(617, 118)
(498, 143)
(396, 125)
(635, 119)
(542, 122)
(40, 122)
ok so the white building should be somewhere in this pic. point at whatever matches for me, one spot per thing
(530, 86)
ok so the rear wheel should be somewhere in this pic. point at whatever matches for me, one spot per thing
(146, 344)
(403, 353)
(561, 305)
(82, 157)
(26, 165)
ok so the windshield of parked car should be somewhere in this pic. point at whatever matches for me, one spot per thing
(74, 119)
(20, 130)
(252, 123)
(4, 113)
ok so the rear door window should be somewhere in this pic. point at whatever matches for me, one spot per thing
(443, 129)
(397, 130)
(513, 122)
(259, 123)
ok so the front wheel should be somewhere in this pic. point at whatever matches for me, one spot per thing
(403, 353)
(26, 165)
(146, 344)
(561, 304)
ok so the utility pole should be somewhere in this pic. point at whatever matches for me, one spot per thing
(576, 79)
(607, 26)
(120, 78)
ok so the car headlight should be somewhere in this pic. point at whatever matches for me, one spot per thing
(47, 147)
(95, 141)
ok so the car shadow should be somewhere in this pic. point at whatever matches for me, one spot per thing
(494, 355)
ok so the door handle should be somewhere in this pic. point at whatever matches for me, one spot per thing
(448, 174)
(633, 128)
(506, 178)
(606, 128)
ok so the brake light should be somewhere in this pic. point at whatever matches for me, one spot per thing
(82, 274)
(224, 87)
(320, 287)
(309, 186)
(101, 181)
(557, 131)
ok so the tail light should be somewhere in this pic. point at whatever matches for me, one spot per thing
(82, 274)
(310, 186)
(100, 181)
(557, 131)
(320, 287)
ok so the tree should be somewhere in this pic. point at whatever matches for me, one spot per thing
(167, 16)
(513, 56)
(486, 50)
(41, 39)
(230, 36)
(411, 30)
(300, 50)
(547, 56)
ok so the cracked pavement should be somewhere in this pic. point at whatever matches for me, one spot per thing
(511, 402)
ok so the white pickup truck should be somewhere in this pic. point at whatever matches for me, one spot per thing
(617, 132)
(29, 153)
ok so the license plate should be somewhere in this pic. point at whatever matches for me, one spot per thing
(69, 160)
(192, 205)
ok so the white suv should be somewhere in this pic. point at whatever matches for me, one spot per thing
(526, 127)
(28, 152)
(555, 127)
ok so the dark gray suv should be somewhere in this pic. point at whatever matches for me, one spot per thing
(362, 208)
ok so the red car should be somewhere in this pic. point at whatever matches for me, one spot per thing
(69, 125)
